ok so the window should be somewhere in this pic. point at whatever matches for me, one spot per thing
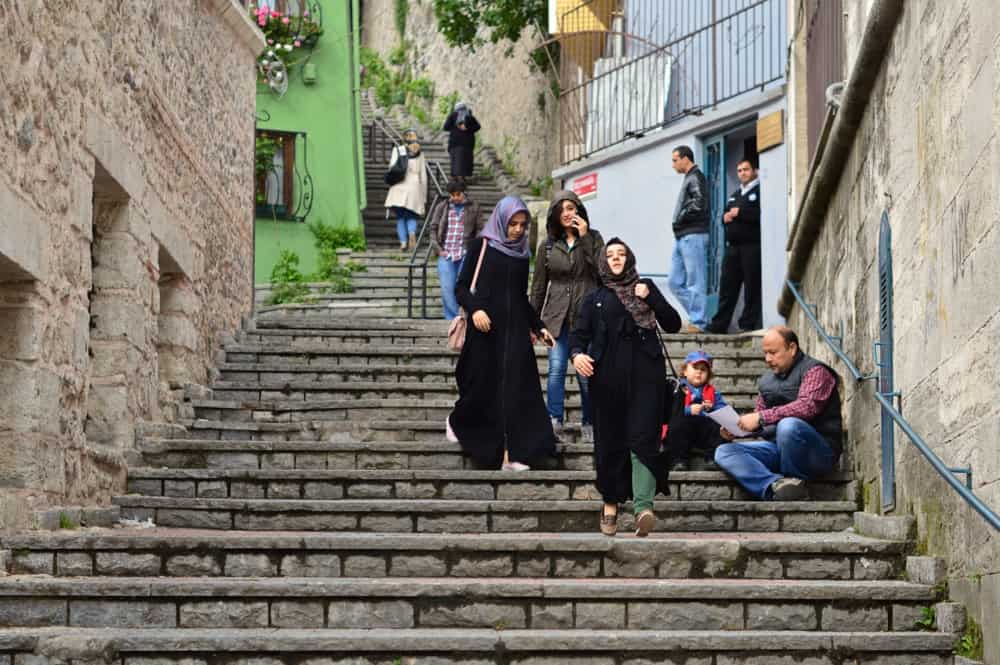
(275, 174)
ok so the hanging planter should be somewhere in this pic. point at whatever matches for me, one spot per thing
(289, 36)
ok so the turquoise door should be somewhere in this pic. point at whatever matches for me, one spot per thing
(715, 161)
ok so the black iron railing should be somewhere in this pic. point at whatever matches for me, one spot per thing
(618, 83)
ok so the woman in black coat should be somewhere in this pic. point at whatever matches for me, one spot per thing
(461, 126)
(500, 417)
(617, 323)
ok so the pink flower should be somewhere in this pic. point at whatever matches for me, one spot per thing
(286, 20)
(297, 43)
(275, 14)
(262, 21)
(270, 41)
(305, 13)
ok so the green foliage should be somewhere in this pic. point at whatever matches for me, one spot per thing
(397, 56)
(402, 9)
(544, 58)
(509, 151)
(926, 620)
(970, 644)
(287, 37)
(328, 239)
(287, 281)
(542, 187)
(394, 85)
(459, 21)
(421, 87)
(445, 105)
(66, 522)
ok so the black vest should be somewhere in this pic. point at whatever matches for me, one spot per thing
(780, 390)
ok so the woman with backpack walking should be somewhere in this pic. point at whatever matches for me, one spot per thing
(615, 343)
(566, 270)
(407, 197)
(499, 418)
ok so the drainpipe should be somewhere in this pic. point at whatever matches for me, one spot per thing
(825, 175)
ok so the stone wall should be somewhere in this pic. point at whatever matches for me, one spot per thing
(505, 96)
(928, 139)
(125, 235)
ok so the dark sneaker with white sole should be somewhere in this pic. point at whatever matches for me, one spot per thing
(789, 489)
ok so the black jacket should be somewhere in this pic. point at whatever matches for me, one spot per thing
(692, 214)
(745, 229)
(461, 137)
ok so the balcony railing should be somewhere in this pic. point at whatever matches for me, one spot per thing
(618, 83)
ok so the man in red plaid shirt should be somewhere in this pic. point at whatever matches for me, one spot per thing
(796, 423)
(455, 221)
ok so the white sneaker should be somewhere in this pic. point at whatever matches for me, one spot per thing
(587, 433)
(514, 466)
(557, 427)
(448, 433)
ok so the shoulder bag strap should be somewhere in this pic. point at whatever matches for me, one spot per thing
(666, 355)
(479, 264)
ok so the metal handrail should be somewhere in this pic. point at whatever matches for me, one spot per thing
(440, 195)
(835, 343)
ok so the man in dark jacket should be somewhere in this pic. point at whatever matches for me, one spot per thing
(796, 426)
(688, 269)
(455, 221)
(741, 263)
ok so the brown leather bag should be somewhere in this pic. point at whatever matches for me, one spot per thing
(458, 325)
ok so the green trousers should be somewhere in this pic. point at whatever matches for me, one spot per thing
(643, 486)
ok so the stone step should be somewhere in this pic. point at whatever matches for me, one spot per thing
(313, 483)
(168, 646)
(472, 516)
(201, 553)
(391, 407)
(435, 603)
(392, 308)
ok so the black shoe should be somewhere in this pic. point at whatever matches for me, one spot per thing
(789, 489)
(679, 465)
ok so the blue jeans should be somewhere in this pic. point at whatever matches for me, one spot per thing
(448, 272)
(799, 452)
(556, 389)
(406, 223)
(688, 275)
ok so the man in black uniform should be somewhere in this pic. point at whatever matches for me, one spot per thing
(741, 263)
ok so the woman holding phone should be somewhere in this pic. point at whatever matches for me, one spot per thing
(500, 418)
(566, 270)
(615, 344)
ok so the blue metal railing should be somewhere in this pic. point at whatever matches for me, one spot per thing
(836, 344)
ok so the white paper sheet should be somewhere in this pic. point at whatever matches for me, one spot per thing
(728, 418)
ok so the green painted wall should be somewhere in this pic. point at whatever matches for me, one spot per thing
(330, 114)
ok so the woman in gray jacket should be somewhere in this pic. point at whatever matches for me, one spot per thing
(566, 270)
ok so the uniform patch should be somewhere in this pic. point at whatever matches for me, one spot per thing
(752, 197)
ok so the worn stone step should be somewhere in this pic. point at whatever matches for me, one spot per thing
(418, 602)
(472, 516)
(391, 408)
(173, 552)
(389, 308)
(480, 646)
(312, 483)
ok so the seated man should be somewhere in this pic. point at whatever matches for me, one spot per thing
(797, 424)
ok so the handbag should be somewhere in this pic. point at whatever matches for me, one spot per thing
(397, 170)
(459, 325)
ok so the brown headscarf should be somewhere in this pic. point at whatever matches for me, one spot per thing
(624, 287)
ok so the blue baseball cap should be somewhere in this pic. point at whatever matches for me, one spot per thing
(698, 356)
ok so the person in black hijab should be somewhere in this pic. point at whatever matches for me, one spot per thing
(615, 343)
(461, 126)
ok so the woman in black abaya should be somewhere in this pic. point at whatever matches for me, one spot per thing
(500, 417)
(615, 343)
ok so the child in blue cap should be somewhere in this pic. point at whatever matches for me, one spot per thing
(693, 436)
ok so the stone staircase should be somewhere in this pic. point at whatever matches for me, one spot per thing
(309, 511)
(380, 230)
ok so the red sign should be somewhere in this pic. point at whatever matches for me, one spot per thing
(585, 186)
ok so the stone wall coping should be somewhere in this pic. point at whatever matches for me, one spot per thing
(421, 587)
(24, 239)
(236, 18)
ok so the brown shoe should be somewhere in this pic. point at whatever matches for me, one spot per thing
(644, 523)
(693, 329)
(609, 522)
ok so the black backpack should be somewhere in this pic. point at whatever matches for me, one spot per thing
(397, 172)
